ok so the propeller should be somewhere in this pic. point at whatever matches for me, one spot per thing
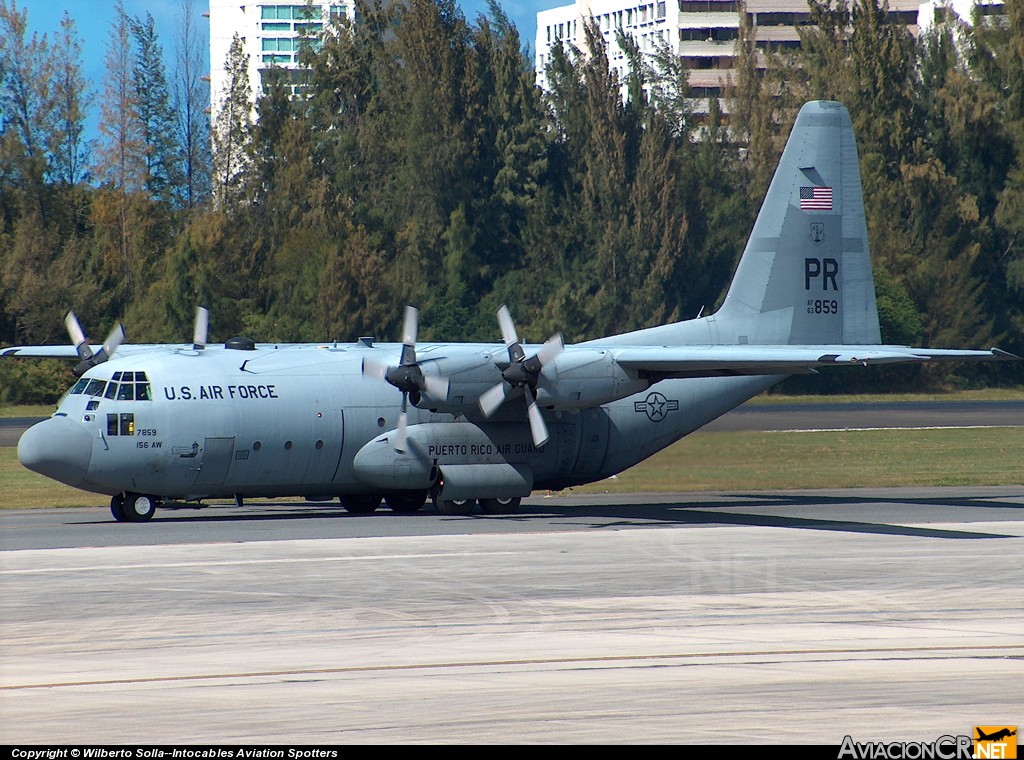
(85, 353)
(522, 373)
(202, 327)
(408, 375)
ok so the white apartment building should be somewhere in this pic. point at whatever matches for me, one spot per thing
(270, 31)
(702, 32)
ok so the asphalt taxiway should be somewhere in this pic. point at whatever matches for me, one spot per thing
(893, 615)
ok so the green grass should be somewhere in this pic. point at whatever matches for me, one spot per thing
(27, 410)
(23, 488)
(849, 459)
(730, 461)
(982, 394)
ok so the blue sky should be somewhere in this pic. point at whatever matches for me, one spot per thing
(94, 20)
(95, 17)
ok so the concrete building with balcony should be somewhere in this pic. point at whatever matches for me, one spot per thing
(702, 32)
(271, 32)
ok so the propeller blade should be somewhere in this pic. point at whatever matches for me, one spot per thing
(436, 386)
(537, 427)
(403, 424)
(508, 328)
(409, 331)
(77, 335)
(114, 340)
(510, 336)
(201, 330)
(491, 399)
(375, 368)
(552, 348)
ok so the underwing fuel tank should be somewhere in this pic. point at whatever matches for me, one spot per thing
(456, 456)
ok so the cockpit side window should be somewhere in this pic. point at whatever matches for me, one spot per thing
(111, 391)
(95, 387)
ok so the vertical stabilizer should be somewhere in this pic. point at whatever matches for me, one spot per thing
(805, 275)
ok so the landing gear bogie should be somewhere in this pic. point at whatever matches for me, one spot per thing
(133, 507)
(360, 504)
(455, 506)
(500, 506)
(406, 502)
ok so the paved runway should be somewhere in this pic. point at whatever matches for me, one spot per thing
(888, 615)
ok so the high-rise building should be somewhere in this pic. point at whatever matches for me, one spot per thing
(702, 32)
(270, 32)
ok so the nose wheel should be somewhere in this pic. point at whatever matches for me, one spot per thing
(133, 507)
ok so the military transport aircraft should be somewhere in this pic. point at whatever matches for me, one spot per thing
(477, 423)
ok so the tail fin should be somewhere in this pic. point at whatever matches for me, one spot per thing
(805, 275)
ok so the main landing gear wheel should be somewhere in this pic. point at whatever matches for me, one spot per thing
(406, 502)
(456, 506)
(500, 506)
(360, 504)
(117, 507)
(137, 507)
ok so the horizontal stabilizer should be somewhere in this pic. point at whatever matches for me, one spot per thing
(664, 362)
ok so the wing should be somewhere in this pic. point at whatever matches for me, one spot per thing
(664, 362)
(42, 352)
(71, 354)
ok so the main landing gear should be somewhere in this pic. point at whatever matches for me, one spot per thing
(465, 506)
(133, 507)
(403, 502)
(410, 502)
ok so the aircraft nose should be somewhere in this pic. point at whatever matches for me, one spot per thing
(58, 448)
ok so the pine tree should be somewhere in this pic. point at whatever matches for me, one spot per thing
(232, 128)
(67, 142)
(156, 123)
(191, 99)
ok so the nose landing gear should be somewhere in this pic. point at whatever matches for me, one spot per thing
(133, 507)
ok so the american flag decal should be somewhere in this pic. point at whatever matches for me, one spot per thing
(816, 198)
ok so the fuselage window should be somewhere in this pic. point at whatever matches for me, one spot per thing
(121, 424)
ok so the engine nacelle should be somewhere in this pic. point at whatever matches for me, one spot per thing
(467, 378)
(580, 378)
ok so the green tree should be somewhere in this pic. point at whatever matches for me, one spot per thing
(153, 104)
(191, 103)
(232, 128)
(67, 143)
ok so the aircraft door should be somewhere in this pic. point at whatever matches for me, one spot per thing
(213, 467)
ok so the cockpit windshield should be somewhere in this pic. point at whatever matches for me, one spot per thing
(124, 386)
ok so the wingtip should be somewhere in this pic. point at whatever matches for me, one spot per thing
(1001, 354)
